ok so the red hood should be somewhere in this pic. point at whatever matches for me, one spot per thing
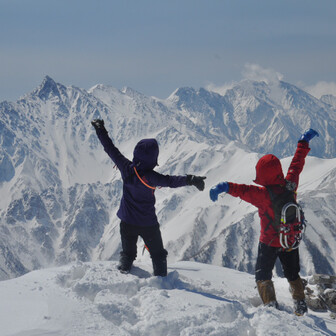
(269, 171)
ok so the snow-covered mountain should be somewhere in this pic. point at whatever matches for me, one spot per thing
(60, 191)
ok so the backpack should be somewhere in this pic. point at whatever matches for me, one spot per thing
(289, 220)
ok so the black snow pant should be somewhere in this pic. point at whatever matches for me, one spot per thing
(266, 259)
(151, 235)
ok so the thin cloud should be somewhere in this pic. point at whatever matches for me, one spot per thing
(220, 89)
(322, 88)
(257, 73)
(252, 72)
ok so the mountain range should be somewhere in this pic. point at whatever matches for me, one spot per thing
(60, 191)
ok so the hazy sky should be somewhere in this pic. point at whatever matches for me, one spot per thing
(157, 46)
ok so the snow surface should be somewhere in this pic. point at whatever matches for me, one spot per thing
(94, 299)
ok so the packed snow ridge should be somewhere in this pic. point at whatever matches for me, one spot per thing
(86, 299)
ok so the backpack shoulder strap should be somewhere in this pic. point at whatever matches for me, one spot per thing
(275, 198)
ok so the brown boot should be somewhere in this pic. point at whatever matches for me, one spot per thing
(267, 293)
(297, 289)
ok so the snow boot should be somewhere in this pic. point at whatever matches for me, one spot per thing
(160, 264)
(297, 290)
(267, 293)
(125, 263)
(160, 268)
(300, 307)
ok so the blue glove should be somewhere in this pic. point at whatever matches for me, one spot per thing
(218, 189)
(308, 135)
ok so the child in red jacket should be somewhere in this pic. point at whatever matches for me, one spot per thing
(269, 174)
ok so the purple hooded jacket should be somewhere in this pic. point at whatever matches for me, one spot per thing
(137, 205)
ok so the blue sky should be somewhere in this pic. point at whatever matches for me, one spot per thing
(157, 46)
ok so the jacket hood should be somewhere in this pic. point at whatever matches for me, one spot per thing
(145, 155)
(269, 171)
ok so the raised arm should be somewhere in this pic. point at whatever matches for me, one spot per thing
(301, 152)
(178, 181)
(112, 151)
(249, 193)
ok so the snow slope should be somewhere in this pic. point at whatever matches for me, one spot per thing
(195, 299)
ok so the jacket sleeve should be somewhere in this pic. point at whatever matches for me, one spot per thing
(167, 180)
(249, 193)
(298, 162)
(112, 151)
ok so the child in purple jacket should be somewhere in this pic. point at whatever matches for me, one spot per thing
(137, 206)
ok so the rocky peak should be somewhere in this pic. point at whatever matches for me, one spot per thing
(47, 89)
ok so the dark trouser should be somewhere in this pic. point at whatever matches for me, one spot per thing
(267, 256)
(153, 240)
